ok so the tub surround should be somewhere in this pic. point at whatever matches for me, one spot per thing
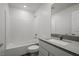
(72, 48)
(18, 49)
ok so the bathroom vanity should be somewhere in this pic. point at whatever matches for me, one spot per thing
(51, 47)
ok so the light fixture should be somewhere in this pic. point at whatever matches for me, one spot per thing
(25, 6)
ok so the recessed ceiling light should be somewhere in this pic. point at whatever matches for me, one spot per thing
(25, 6)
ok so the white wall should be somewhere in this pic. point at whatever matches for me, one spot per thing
(42, 21)
(62, 21)
(19, 27)
(3, 17)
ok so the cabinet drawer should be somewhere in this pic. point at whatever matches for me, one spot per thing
(54, 50)
(51, 54)
(43, 51)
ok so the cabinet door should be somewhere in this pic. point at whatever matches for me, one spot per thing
(43, 51)
(40, 54)
(51, 54)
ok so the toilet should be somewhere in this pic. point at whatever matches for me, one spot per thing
(33, 50)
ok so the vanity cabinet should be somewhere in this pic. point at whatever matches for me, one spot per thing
(50, 50)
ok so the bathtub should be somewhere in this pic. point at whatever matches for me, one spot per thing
(19, 49)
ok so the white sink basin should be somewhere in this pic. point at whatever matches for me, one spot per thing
(58, 42)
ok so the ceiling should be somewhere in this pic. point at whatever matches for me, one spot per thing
(57, 7)
(32, 7)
